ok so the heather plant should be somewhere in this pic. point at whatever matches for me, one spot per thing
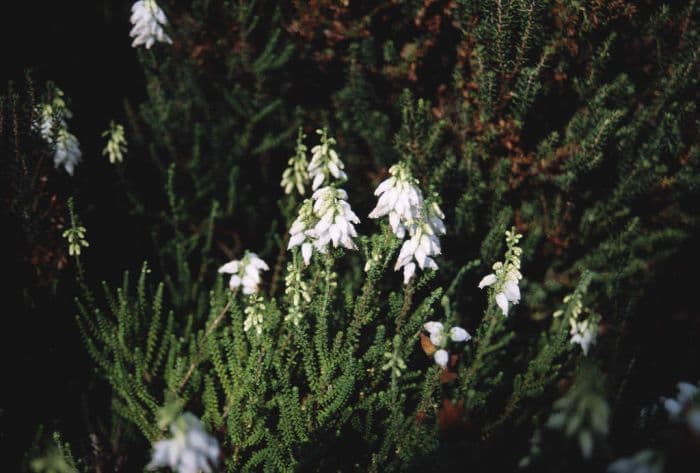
(384, 251)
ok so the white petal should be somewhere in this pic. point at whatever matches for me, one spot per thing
(502, 302)
(230, 267)
(458, 334)
(487, 280)
(512, 291)
(306, 250)
(234, 282)
(441, 358)
(408, 272)
(433, 327)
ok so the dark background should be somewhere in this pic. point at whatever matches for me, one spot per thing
(84, 47)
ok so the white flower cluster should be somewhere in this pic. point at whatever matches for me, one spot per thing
(402, 201)
(190, 450)
(52, 126)
(245, 272)
(325, 162)
(505, 276)
(439, 338)
(583, 333)
(116, 143)
(254, 312)
(148, 20)
(324, 219)
(327, 217)
(685, 406)
(296, 175)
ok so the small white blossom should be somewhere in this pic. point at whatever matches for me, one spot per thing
(423, 244)
(67, 153)
(53, 128)
(300, 233)
(116, 144)
(505, 277)
(582, 333)
(325, 162)
(441, 358)
(399, 198)
(190, 450)
(684, 406)
(438, 337)
(335, 220)
(402, 201)
(245, 272)
(296, 175)
(148, 20)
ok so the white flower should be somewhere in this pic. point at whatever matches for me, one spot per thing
(505, 276)
(116, 145)
(438, 337)
(335, 220)
(245, 272)
(583, 334)
(190, 450)
(684, 407)
(325, 162)
(509, 291)
(52, 126)
(402, 201)
(441, 358)
(67, 153)
(148, 20)
(399, 198)
(301, 229)
(296, 175)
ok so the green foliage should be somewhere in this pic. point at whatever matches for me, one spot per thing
(517, 115)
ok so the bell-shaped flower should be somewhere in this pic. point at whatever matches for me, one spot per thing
(300, 230)
(420, 248)
(399, 198)
(583, 334)
(325, 162)
(439, 338)
(245, 273)
(148, 20)
(67, 152)
(508, 291)
(190, 450)
(335, 220)
(686, 394)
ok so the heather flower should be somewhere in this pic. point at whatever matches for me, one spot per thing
(439, 338)
(300, 230)
(325, 162)
(148, 20)
(116, 144)
(505, 276)
(684, 406)
(67, 152)
(335, 220)
(190, 450)
(420, 248)
(296, 175)
(402, 201)
(582, 333)
(399, 198)
(245, 272)
(53, 128)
